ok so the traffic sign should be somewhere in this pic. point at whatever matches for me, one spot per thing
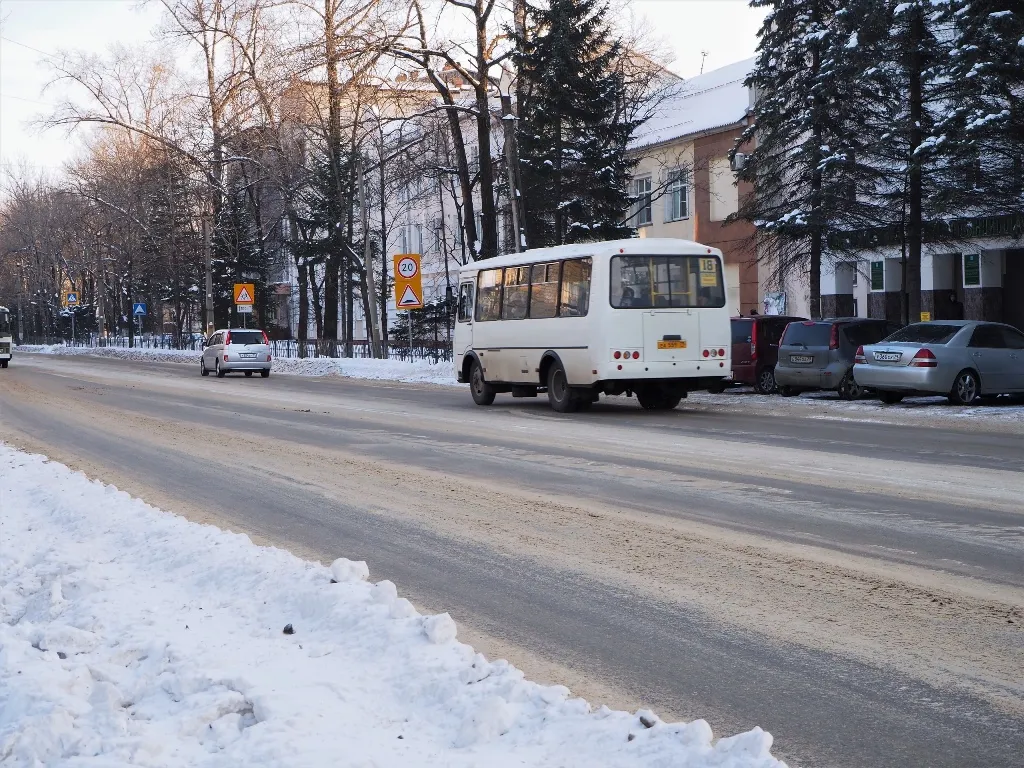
(71, 298)
(139, 308)
(245, 293)
(245, 309)
(408, 281)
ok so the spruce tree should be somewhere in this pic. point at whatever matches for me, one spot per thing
(572, 132)
(799, 130)
(983, 131)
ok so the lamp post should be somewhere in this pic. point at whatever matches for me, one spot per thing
(508, 124)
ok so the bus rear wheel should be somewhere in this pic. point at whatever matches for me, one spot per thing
(483, 393)
(560, 394)
(655, 399)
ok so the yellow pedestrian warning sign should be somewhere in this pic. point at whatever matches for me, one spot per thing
(245, 293)
(408, 281)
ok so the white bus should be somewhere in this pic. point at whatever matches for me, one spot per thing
(6, 339)
(641, 316)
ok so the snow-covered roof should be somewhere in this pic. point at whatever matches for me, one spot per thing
(713, 100)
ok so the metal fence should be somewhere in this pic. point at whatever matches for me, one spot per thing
(432, 351)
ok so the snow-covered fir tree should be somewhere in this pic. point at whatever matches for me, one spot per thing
(572, 132)
(983, 130)
(799, 159)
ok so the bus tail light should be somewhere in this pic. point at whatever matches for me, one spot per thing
(636, 355)
(721, 353)
(617, 354)
(707, 353)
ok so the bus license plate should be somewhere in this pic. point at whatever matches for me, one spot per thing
(801, 359)
(671, 345)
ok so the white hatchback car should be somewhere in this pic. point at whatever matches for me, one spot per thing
(236, 349)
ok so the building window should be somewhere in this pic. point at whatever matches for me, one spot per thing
(677, 196)
(642, 206)
(877, 275)
(856, 275)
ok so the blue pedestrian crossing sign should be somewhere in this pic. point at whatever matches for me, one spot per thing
(138, 308)
(71, 299)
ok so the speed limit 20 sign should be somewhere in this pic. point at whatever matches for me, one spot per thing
(408, 281)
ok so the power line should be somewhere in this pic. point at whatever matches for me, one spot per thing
(24, 45)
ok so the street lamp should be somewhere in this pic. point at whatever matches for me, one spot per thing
(508, 123)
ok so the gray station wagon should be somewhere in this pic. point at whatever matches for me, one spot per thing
(236, 349)
(818, 354)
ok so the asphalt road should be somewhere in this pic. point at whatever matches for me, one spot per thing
(855, 588)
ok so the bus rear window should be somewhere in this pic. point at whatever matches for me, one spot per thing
(679, 282)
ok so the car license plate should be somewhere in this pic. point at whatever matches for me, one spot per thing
(888, 357)
(247, 355)
(801, 359)
(671, 345)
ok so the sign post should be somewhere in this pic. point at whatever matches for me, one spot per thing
(245, 297)
(408, 287)
(139, 312)
(71, 300)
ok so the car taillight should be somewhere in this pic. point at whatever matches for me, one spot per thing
(265, 339)
(227, 339)
(833, 339)
(859, 357)
(924, 359)
(225, 357)
(753, 341)
(268, 358)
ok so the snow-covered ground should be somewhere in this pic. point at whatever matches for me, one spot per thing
(359, 368)
(130, 636)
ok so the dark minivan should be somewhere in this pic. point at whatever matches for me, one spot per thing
(818, 354)
(755, 350)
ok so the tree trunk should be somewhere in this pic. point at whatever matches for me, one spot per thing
(383, 258)
(303, 329)
(915, 215)
(488, 214)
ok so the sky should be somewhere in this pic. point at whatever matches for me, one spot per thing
(30, 29)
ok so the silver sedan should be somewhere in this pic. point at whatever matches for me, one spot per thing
(962, 359)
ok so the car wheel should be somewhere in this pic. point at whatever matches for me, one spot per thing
(203, 370)
(265, 373)
(221, 373)
(849, 389)
(788, 392)
(966, 388)
(890, 398)
(766, 381)
(483, 393)
(560, 394)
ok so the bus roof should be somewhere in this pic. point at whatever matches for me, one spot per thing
(647, 246)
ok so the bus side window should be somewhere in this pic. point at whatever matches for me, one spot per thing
(544, 290)
(488, 295)
(465, 302)
(575, 295)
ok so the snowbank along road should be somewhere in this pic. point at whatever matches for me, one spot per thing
(855, 588)
(129, 636)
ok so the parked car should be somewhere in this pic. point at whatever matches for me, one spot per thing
(962, 359)
(755, 351)
(236, 349)
(818, 354)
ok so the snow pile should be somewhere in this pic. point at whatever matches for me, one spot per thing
(130, 636)
(419, 371)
